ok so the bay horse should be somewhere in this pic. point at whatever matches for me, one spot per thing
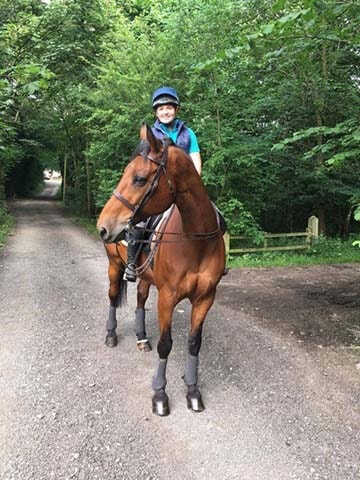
(189, 256)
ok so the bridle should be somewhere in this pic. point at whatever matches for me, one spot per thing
(161, 163)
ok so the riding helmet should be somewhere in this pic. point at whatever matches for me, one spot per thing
(164, 95)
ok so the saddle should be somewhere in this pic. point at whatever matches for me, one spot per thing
(150, 231)
(146, 236)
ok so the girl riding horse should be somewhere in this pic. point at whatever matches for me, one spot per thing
(189, 259)
(166, 104)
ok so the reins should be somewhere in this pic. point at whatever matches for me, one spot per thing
(185, 236)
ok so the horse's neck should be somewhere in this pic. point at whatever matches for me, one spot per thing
(197, 213)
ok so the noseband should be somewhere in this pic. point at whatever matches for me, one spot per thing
(161, 168)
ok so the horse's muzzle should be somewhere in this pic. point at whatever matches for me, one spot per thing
(107, 237)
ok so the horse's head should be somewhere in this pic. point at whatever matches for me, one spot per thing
(145, 189)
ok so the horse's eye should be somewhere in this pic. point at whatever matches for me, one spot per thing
(139, 181)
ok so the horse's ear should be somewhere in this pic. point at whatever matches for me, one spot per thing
(147, 135)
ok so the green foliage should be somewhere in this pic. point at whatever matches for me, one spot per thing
(240, 221)
(357, 213)
(6, 223)
(273, 99)
(343, 142)
(106, 182)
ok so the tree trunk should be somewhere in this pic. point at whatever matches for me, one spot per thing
(2, 185)
(320, 213)
(64, 178)
(88, 189)
(346, 225)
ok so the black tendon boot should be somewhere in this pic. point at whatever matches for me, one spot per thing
(133, 251)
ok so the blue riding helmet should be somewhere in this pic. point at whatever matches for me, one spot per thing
(164, 95)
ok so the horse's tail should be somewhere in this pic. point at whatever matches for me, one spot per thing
(121, 300)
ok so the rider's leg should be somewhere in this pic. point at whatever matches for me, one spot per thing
(133, 250)
(222, 226)
(222, 221)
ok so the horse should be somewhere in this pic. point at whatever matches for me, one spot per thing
(188, 255)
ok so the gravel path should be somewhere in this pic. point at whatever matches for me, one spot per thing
(70, 408)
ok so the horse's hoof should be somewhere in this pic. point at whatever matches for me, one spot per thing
(194, 402)
(143, 346)
(160, 404)
(111, 341)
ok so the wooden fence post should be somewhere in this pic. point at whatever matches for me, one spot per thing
(313, 228)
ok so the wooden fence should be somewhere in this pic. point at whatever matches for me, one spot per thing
(311, 233)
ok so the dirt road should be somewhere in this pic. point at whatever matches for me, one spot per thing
(279, 379)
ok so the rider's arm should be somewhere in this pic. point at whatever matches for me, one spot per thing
(196, 158)
(194, 151)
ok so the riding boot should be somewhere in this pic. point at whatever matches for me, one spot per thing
(223, 229)
(220, 218)
(133, 251)
(222, 221)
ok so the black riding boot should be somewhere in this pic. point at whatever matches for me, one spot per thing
(133, 251)
(223, 228)
(222, 221)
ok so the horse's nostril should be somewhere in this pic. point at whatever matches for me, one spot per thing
(103, 233)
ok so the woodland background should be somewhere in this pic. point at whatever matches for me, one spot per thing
(270, 87)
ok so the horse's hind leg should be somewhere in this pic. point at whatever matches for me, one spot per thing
(142, 343)
(117, 294)
(199, 310)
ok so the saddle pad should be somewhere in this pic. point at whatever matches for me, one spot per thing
(164, 216)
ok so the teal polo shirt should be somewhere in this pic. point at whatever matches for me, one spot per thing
(173, 134)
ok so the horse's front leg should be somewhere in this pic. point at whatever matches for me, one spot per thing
(160, 400)
(117, 294)
(200, 307)
(142, 343)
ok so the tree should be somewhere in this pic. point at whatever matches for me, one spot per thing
(274, 99)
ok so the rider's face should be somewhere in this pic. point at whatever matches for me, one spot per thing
(166, 113)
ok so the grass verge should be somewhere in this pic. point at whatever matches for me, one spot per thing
(89, 224)
(324, 251)
(6, 224)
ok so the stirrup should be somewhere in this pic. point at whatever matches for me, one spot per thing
(130, 272)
